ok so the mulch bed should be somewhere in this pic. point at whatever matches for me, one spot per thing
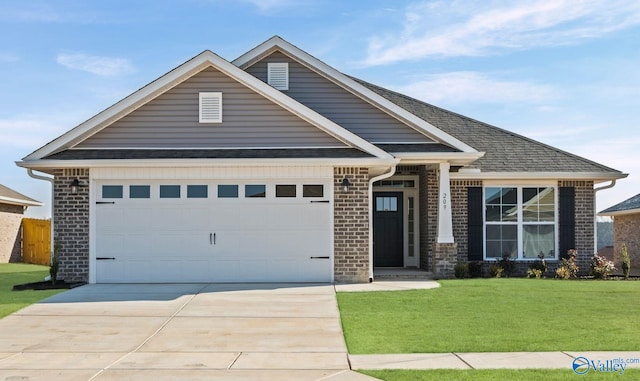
(47, 285)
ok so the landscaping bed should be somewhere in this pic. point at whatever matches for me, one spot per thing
(47, 285)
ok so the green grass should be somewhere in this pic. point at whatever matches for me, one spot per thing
(494, 315)
(496, 375)
(19, 273)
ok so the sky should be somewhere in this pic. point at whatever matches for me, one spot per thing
(563, 72)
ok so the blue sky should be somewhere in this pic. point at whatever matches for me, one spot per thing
(562, 72)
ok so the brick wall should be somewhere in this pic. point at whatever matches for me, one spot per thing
(584, 221)
(423, 195)
(71, 224)
(626, 229)
(459, 202)
(351, 226)
(10, 233)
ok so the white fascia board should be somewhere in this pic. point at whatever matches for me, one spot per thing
(16, 201)
(181, 73)
(353, 87)
(184, 163)
(597, 177)
(619, 212)
(456, 158)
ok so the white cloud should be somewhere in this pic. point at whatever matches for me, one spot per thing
(102, 66)
(29, 132)
(459, 87)
(442, 28)
(8, 57)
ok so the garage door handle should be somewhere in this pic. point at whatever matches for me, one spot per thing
(105, 258)
(212, 238)
(105, 202)
(320, 201)
(319, 257)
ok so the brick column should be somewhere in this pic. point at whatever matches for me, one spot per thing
(445, 256)
(351, 226)
(71, 224)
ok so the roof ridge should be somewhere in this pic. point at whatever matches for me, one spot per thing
(514, 134)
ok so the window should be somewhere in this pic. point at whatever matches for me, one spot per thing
(197, 191)
(386, 204)
(255, 191)
(285, 191)
(278, 75)
(169, 191)
(211, 107)
(520, 222)
(312, 191)
(227, 191)
(139, 191)
(112, 191)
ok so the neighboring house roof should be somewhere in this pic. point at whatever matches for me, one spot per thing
(505, 151)
(9, 196)
(629, 206)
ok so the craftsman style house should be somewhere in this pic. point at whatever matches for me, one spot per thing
(278, 167)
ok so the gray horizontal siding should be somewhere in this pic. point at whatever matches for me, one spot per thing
(339, 105)
(249, 120)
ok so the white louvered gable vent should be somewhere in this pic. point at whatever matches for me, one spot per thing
(278, 75)
(211, 107)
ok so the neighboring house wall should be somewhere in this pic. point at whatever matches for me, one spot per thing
(626, 229)
(339, 105)
(248, 120)
(71, 224)
(10, 232)
(351, 226)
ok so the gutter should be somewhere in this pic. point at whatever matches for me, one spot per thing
(595, 212)
(49, 179)
(383, 176)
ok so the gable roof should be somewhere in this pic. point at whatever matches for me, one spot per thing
(9, 196)
(349, 84)
(628, 206)
(180, 74)
(505, 151)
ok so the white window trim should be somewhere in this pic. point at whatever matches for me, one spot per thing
(520, 223)
(213, 97)
(275, 82)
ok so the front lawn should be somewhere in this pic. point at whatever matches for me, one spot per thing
(498, 374)
(19, 273)
(494, 315)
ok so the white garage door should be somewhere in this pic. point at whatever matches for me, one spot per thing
(179, 231)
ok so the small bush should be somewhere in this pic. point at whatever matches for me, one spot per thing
(534, 273)
(461, 270)
(507, 264)
(601, 267)
(626, 260)
(495, 271)
(539, 264)
(475, 269)
(55, 262)
(568, 268)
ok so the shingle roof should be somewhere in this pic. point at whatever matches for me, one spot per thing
(626, 205)
(9, 196)
(99, 154)
(505, 151)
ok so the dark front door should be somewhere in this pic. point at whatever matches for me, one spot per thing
(388, 230)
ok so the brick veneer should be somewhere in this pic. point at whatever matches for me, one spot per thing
(584, 221)
(626, 229)
(71, 224)
(10, 233)
(459, 202)
(351, 226)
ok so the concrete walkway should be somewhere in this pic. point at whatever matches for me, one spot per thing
(178, 331)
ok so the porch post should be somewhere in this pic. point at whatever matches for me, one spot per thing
(445, 227)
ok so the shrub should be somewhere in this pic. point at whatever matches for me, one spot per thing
(461, 270)
(495, 271)
(568, 268)
(55, 262)
(475, 269)
(601, 267)
(507, 264)
(538, 267)
(534, 273)
(626, 260)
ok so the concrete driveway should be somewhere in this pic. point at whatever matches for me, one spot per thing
(178, 331)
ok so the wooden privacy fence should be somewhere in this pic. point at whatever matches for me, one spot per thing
(36, 241)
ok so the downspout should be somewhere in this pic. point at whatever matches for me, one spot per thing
(49, 179)
(383, 176)
(595, 213)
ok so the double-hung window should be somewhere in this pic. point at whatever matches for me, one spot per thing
(520, 221)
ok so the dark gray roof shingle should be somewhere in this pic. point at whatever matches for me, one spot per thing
(629, 204)
(505, 151)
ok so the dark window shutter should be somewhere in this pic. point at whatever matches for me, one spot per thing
(567, 220)
(475, 224)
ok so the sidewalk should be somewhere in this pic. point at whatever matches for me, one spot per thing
(489, 360)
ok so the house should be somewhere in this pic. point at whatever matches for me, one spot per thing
(278, 167)
(626, 229)
(12, 207)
